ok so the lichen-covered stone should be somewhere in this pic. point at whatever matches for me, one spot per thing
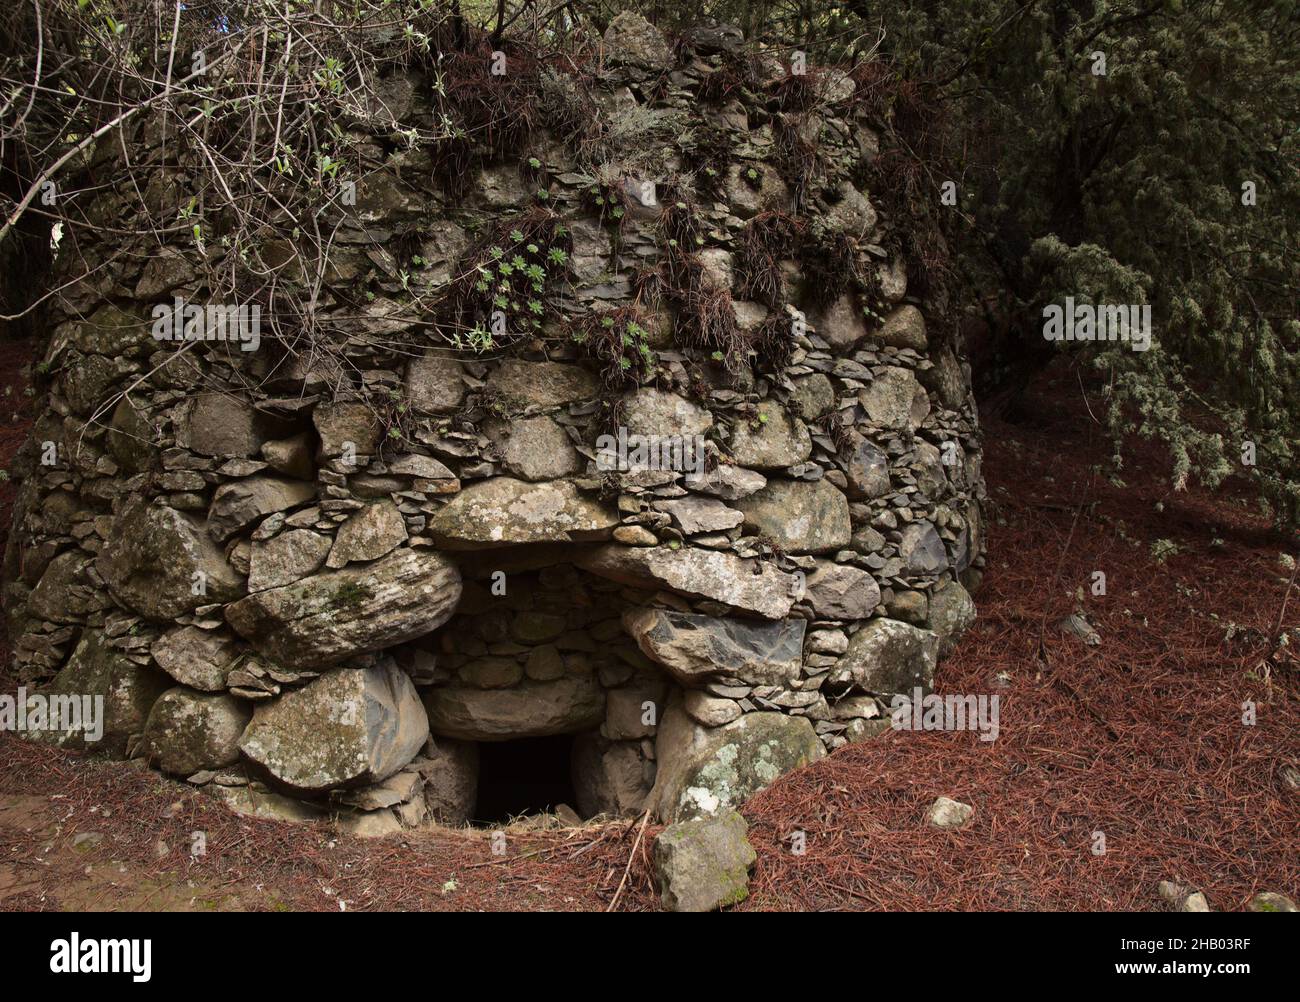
(200, 659)
(704, 770)
(129, 692)
(952, 611)
(349, 727)
(188, 731)
(328, 617)
(704, 864)
(503, 510)
(158, 562)
(799, 516)
(887, 656)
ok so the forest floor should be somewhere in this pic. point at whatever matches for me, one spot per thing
(1115, 767)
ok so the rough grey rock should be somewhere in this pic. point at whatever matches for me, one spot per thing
(328, 617)
(240, 503)
(368, 534)
(841, 323)
(290, 456)
(188, 731)
(350, 727)
(200, 659)
(799, 516)
(218, 424)
(704, 864)
(887, 656)
(699, 649)
(519, 384)
(948, 813)
(503, 511)
(155, 559)
(285, 558)
(867, 468)
(530, 710)
(653, 412)
(723, 577)
(952, 611)
(536, 448)
(434, 385)
(904, 328)
(696, 515)
(839, 591)
(1270, 901)
(342, 423)
(778, 440)
(609, 777)
(129, 691)
(704, 770)
(450, 770)
(922, 549)
(895, 400)
(729, 482)
(633, 40)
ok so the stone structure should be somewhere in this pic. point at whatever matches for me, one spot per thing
(334, 573)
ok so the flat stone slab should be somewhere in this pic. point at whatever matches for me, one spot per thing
(328, 617)
(530, 710)
(723, 577)
(504, 511)
(699, 649)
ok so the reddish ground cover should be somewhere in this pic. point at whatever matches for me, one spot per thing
(1139, 739)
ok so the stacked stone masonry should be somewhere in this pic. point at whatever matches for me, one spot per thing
(316, 581)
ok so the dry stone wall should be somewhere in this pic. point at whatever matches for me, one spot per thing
(318, 575)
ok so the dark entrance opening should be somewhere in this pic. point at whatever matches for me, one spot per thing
(527, 776)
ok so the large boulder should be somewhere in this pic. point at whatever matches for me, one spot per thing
(700, 649)
(328, 617)
(161, 564)
(704, 770)
(887, 656)
(350, 727)
(722, 577)
(503, 511)
(530, 710)
(129, 691)
(799, 516)
(704, 864)
(189, 731)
